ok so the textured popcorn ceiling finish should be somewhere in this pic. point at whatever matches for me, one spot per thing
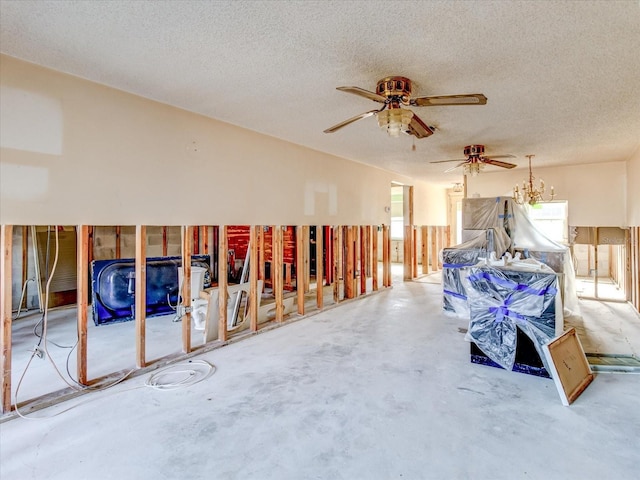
(562, 78)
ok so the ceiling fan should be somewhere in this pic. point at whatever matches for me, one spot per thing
(395, 93)
(476, 160)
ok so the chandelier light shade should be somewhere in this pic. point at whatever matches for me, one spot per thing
(395, 120)
(529, 193)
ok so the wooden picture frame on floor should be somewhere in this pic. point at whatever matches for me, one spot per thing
(569, 367)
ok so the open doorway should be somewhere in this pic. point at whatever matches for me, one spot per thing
(397, 232)
(600, 257)
(402, 244)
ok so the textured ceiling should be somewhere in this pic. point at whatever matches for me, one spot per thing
(562, 78)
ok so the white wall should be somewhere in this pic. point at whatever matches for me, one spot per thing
(75, 152)
(597, 193)
(429, 204)
(633, 189)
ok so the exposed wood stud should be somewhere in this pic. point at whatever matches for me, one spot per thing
(611, 269)
(363, 259)
(6, 236)
(371, 261)
(434, 248)
(164, 241)
(307, 257)
(414, 252)
(319, 266)
(82, 266)
(447, 230)
(253, 277)
(277, 255)
(374, 255)
(406, 253)
(337, 263)
(595, 262)
(440, 244)
(210, 239)
(118, 249)
(349, 273)
(301, 273)
(205, 239)
(328, 257)
(634, 273)
(90, 253)
(636, 246)
(222, 282)
(386, 257)
(196, 240)
(357, 254)
(141, 294)
(424, 244)
(187, 235)
(411, 271)
(261, 250)
(25, 261)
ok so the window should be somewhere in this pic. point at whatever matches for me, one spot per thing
(552, 219)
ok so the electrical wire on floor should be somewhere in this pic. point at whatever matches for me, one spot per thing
(177, 376)
(199, 371)
(157, 380)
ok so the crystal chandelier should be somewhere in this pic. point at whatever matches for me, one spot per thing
(395, 120)
(530, 194)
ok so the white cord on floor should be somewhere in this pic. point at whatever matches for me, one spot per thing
(189, 377)
(200, 370)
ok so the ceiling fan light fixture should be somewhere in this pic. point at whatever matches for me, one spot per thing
(395, 120)
(473, 168)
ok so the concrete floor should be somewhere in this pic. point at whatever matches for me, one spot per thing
(378, 388)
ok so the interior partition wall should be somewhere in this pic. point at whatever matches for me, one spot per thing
(343, 258)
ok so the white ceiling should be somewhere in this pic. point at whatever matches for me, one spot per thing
(562, 78)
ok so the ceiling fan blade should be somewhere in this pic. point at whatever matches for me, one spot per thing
(363, 93)
(471, 99)
(418, 128)
(501, 156)
(351, 120)
(498, 163)
(453, 168)
(454, 160)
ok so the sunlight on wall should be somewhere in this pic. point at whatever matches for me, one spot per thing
(30, 121)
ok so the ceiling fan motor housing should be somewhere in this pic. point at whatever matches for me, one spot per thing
(395, 88)
(474, 150)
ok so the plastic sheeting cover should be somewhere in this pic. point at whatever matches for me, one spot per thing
(512, 231)
(502, 300)
(534, 244)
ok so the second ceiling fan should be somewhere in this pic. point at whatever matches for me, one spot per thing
(476, 160)
(395, 93)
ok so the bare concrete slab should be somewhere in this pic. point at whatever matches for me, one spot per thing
(379, 388)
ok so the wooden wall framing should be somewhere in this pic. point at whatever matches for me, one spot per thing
(633, 281)
(352, 251)
(6, 237)
(82, 263)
